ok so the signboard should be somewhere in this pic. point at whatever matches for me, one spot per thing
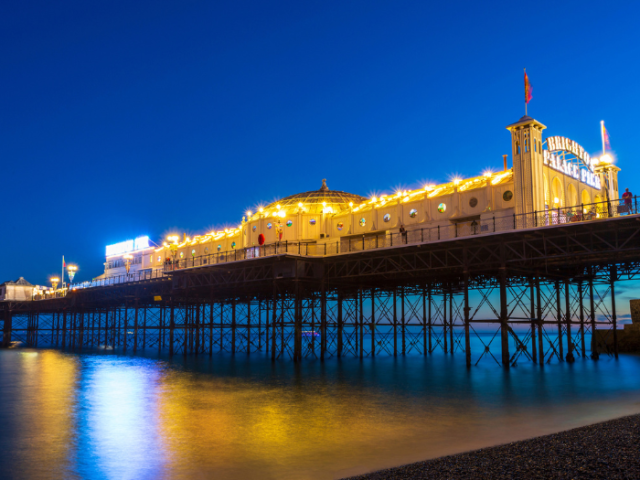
(583, 175)
(556, 144)
(127, 246)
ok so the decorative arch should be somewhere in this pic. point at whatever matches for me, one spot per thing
(557, 193)
(586, 198)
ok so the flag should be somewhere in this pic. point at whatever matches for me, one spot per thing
(63, 264)
(605, 137)
(527, 88)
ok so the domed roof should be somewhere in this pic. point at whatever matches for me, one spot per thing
(315, 201)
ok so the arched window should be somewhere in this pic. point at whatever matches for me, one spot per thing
(535, 146)
(517, 148)
(526, 145)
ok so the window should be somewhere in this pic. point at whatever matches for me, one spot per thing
(255, 227)
(289, 223)
(233, 245)
(159, 258)
(363, 222)
(442, 208)
(181, 254)
(269, 225)
(386, 218)
(340, 225)
(526, 145)
(507, 196)
(219, 247)
(413, 213)
(518, 148)
(206, 249)
(193, 252)
(312, 221)
(535, 146)
(473, 202)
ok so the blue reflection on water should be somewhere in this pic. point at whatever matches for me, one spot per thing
(117, 418)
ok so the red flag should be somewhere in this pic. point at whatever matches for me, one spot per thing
(63, 264)
(605, 136)
(527, 88)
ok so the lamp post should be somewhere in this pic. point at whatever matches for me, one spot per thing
(54, 282)
(127, 261)
(71, 271)
(173, 247)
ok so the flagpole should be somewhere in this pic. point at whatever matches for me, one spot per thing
(602, 135)
(62, 276)
(525, 93)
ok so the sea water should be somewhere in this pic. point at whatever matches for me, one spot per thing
(107, 415)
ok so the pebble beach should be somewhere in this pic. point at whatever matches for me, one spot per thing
(608, 450)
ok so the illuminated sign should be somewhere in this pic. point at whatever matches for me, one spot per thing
(573, 170)
(556, 144)
(139, 243)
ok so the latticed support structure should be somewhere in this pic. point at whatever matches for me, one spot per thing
(535, 296)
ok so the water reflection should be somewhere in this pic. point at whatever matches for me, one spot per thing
(110, 416)
(118, 419)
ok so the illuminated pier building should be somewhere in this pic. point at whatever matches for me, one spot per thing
(554, 176)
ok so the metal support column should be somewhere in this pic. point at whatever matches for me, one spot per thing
(532, 314)
(467, 333)
(613, 276)
(504, 313)
(559, 321)
(567, 293)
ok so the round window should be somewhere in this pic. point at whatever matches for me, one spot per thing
(312, 221)
(340, 225)
(363, 222)
(507, 196)
(289, 223)
(255, 227)
(442, 208)
(269, 225)
(219, 247)
(413, 213)
(233, 245)
(473, 201)
(386, 218)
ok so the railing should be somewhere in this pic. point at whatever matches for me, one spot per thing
(493, 224)
(103, 282)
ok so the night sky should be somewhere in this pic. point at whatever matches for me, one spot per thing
(120, 119)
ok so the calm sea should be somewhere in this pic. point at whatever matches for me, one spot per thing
(111, 416)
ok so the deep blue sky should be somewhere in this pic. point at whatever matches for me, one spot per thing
(120, 119)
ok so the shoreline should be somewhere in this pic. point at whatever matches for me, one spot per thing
(609, 449)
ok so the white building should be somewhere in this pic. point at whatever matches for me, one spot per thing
(20, 290)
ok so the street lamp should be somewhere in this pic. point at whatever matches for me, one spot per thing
(71, 271)
(127, 261)
(54, 281)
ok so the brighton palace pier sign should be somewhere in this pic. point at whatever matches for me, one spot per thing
(584, 173)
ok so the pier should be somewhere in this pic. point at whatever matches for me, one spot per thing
(540, 290)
